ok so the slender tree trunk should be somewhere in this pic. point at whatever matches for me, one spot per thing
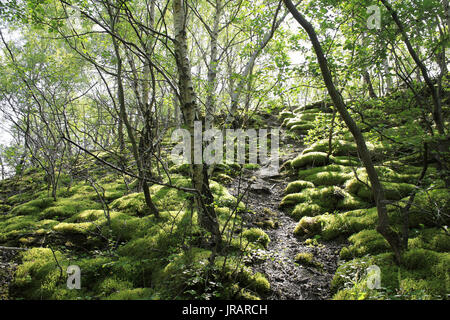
(380, 199)
(212, 69)
(368, 82)
(387, 75)
(124, 116)
(188, 105)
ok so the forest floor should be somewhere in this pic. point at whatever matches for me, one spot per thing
(7, 268)
(289, 279)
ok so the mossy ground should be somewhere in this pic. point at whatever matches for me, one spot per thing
(332, 200)
(123, 252)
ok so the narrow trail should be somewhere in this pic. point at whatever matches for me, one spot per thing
(7, 268)
(289, 280)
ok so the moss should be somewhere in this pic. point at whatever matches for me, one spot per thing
(222, 197)
(297, 186)
(307, 259)
(15, 227)
(303, 173)
(38, 275)
(267, 224)
(83, 228)
(429, 208)
(256, 235)
(393, 190)
(286, 166)
(113, 285)
(132, 203)
(328, 178)
(432, 239)
(331, 226)
(310, 159)
(222, 178)
(422, 275)
(347, 161)
(351, 202)
(363, 243)
(286, 115)
(308, 226)
(304, 257)
(252, 166)
(32, 207)
(64, 208)
(4, 208)
(339, 147)
(183, 169)
(301, 127)
(326, 197)
(134, 294)
(307, 209)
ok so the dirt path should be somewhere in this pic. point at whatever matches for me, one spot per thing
(289, 280)
(7, 268)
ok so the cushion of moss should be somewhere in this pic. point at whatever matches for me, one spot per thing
(351, 202)
(37, 277)
(339, 147)
(308, 226)
(305, 258)
(256, 235)
(32, 207)
(326, 197)
(314, 159)
(222, 178)
(347, 161)
(302, 127)
(82, 227)
(363, 243)
(311, 110)
(422, 275)
(193, 259)
(21, 198)
(432, 239)
(113, 285)
(331, 226)
(393, 190)
(292, 122)
(255, 282)
(64, 208)
(133, 203)
(15, 226)
(286, 115)
(307, 209)
(328, 178)
(222, 196)
(297, 186)
(303, 173)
